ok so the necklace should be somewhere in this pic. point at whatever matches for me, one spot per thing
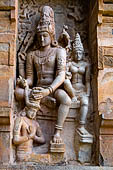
(45, 56)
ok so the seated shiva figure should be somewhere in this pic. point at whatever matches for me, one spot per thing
(49, 61)
(77, 84)
(26, 128)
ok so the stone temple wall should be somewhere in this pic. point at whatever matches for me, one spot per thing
(94, 21)
(7, 74)
(105, 80)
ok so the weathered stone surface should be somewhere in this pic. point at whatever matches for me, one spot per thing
(107, 19)
(43, 167)
(7, 26)
(4, 47)
(4, 147)
(106, 148)
(108, 9)
(9, 39)
(6, 84)
(5, 118)
(84, 153)
(108, 1)
(4, 58)
(7, 4)
(5, 15)
(4, 53)
(105, 31)
(7, 74)
(105, 83)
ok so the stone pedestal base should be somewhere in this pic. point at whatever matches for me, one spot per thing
(85, 138)
(49, 159)
(84, 147)
(45, 167)
(57, 147)
(106, 140)
(84, 153)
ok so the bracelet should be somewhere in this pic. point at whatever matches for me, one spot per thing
(50, 89)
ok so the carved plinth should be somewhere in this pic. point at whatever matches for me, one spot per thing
(57, 147)
(84, 152)
(84, 147)
(106, 139)
(84, 138)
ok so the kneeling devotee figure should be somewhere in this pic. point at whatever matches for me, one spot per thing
(26, 128)
(49, 62)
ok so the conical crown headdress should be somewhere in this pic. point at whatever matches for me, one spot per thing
(77, 45)
(46, 22)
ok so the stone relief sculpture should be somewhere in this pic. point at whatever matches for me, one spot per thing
(26, 128)
(77, 83)
(48, 77)
(50, 64)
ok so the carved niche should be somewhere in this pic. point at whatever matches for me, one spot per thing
(53, 89)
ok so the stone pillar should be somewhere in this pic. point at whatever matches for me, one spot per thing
(93, 21)
(8, 11)
(105, 80)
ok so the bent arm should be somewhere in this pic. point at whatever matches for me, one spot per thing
(88, 80)
(17, 138)
(61, 68)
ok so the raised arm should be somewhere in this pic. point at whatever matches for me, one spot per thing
(29, 69)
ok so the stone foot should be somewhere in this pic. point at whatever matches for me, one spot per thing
(57, 138)
(74, 99)
(84, 135)
(83, 131)
(56, 145)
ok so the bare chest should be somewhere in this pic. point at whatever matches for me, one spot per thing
(77, 68)
(45, 60)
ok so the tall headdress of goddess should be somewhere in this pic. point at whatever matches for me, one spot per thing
(77, 45)
(46, 22)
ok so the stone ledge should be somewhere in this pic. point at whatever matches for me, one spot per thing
(44, 167)
(7, 4)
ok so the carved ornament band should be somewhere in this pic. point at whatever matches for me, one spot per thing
(58, 127)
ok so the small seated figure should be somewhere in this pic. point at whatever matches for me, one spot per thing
(26, 128)
(77, 82)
